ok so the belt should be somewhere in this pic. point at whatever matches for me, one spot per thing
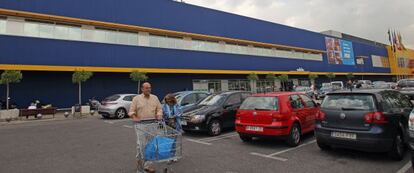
(147, 121)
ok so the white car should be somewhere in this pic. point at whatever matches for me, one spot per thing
(116, 106)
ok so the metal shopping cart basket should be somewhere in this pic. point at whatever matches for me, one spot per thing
(158, 143)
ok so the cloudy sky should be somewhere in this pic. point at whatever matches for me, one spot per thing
(363, 18)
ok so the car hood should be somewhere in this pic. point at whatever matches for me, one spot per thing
(201, 110)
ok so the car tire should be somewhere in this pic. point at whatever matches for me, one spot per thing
(120, 113)
(398, 148)
(294, 137)
(323, 146)
(214, 127)
(245, 138)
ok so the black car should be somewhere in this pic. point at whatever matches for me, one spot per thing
(406, 86)
(214, 113)
(367, 120)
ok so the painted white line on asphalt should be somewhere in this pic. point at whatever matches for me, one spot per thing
(198, 141)
(269, 157)
(219, 138)
(128, 126)
(290, 149)
(405, 168)
(109, 122)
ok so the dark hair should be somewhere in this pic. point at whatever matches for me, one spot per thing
(170, 97)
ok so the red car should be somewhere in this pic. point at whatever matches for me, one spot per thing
(282, 114)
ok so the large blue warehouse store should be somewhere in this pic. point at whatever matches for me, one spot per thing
(180, 46)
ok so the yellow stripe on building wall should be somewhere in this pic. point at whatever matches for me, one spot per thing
(161, 70)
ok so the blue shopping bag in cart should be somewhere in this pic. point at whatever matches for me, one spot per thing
(159, 148)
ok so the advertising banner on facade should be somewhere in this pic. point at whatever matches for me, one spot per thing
(339, 51)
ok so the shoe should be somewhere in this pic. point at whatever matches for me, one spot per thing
(149, 169)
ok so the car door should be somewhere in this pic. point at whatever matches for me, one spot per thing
(128, 101)
(230, 107)
(189, 100)
(310, 112)
(298, 110)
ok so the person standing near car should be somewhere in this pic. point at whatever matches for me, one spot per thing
(145, 108)
(172, 112)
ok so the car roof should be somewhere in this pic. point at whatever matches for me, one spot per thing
(188, 92)
(359, 91)
(276, 94)
(230, 92)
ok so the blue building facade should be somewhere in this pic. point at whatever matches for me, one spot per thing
(179, 45)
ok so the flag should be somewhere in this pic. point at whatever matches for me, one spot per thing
(397, 46)
(390, 40)
(394, 41)
(402, 47)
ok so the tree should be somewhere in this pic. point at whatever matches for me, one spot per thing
(349, 76)
(312, 77)
(283, 79)
(253, 77)
(271, 78)
(138, 76)
(331, 76)
(8, 77)
(78, 77)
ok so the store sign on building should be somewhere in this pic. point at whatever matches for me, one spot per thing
(339, 51)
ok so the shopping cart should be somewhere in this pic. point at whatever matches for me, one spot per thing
(158, 143)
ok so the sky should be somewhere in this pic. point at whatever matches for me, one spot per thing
(368, 19)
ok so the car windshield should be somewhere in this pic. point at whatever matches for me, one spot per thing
(299, 89)
(212, 100)
(326, 84)
(406, 84)
(112, 98)
(337, 84)
(381, 86)
(260, 103)
(326, 88)
(349, 102)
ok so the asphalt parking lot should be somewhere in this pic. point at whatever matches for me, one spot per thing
(97, 145)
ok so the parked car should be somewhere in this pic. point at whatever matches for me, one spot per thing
(116, 106)
(363, 84)
(406, 86)
(323, 91)
(337, 84)
(368, 120)
(410, 138)
(287, 115)
(189, 99)
(214, 113)
(383, 85)
(304, 90)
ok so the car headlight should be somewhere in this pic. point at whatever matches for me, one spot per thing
(197, 118)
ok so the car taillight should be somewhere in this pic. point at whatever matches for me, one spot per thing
(320, 115)
(411, 122)
(375, 117)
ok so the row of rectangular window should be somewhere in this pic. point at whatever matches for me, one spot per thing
(67, 32)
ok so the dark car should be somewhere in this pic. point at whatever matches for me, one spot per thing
(189, 99)
(214, 113)
(367, 120)
(406, 86)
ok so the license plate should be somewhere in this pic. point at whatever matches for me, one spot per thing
(183, 122)
(344, 135)
(254, 128)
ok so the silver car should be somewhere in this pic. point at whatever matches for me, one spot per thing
(116, 106)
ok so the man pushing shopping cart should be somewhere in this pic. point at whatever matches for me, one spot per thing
(156, 142)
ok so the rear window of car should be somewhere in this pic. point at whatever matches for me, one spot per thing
(260, 103)
(406, 83)
(112, 98)
(349, 102)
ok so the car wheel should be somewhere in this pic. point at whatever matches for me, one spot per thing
(120, 113)
(214, 127)
(323, 146)
(245, 138)
(398, 148)
(293, 139)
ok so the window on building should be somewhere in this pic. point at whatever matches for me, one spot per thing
(46, 30)
(2, 25)
(61, 32)
(31, 29)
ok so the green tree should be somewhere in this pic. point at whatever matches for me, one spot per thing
(283, 79)
(253, 77)
(331, 76)
(271, 78)
(78, 77)
(312, 78)
(138, 76)
(349, 76)
(8, 77)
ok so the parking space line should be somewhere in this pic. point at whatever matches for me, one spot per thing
(128, 126)
(405, 168)
(219, 138)
(290, 149)
(109, 122)
(274, 155)
(269, 157)
(198, 141)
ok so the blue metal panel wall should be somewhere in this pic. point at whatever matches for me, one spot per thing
(25, 50)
